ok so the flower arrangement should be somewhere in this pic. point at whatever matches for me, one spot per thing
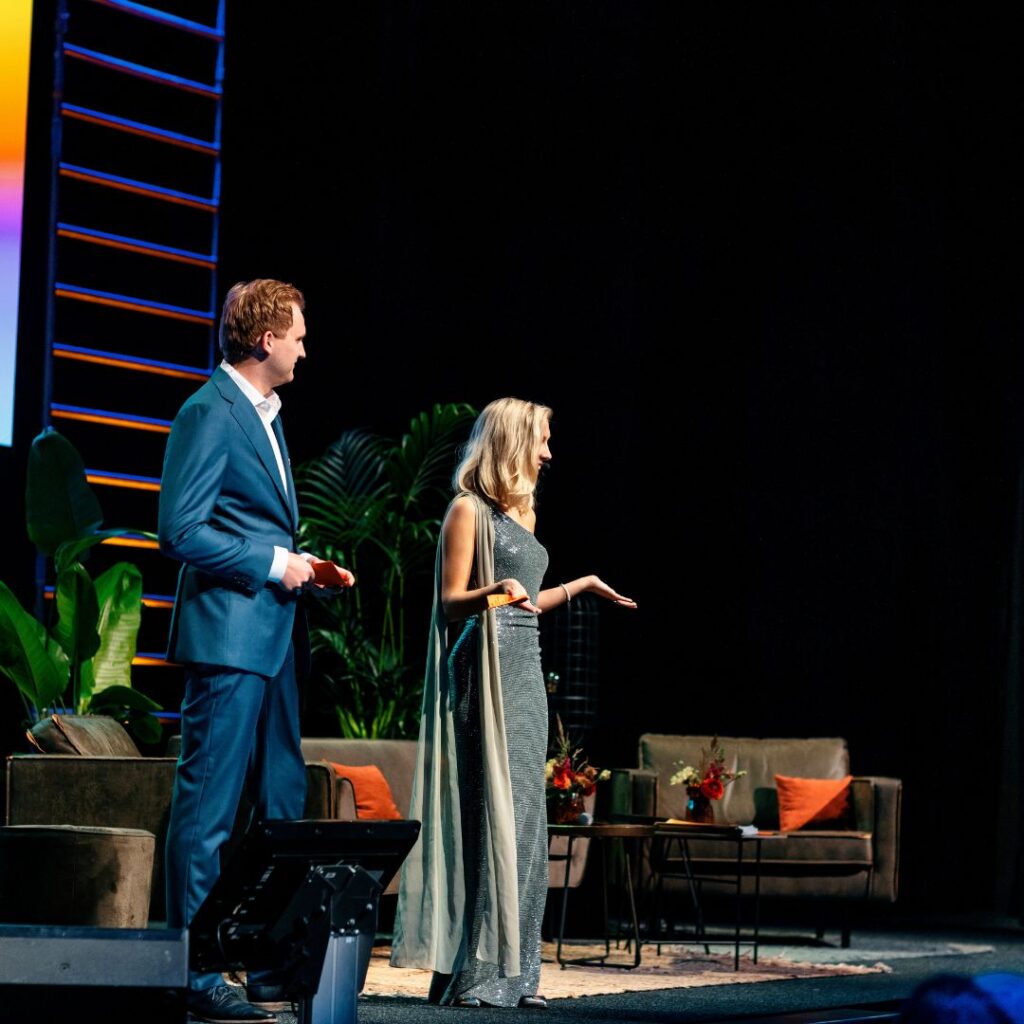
(706, 781)
(568, 778)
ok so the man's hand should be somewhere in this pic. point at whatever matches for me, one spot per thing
(337, 577)
(298, 573)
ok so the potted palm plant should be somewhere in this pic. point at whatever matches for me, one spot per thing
(374, 505)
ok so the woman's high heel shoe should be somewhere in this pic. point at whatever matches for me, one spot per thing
(533, 1003)
(468, 1002)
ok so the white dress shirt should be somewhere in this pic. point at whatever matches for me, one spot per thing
(267, 407)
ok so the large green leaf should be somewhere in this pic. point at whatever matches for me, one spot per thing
(69, 551)
(131, 708)
(342, 493)
(119, 591)
(59, 503)
(35, 666)
(77, 614)
(424, 458)
(117, 696)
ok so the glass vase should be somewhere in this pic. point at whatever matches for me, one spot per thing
(698, 807)
(564, 807)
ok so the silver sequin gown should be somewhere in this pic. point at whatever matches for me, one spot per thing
(519, 555)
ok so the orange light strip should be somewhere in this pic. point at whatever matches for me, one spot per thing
(137, 189)
(160, 662)
(108, 421)
(113, 481)
(131, 542)
(130, 129)
(134, 247)
(128, 364)
(135, 307)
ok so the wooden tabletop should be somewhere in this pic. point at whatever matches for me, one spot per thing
(602, 830)
(702, 830)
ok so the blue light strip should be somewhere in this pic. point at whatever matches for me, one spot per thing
(139, 479)
(145, 597)
(158, 364)
(170, 192)
(163, 134)
(129, 68)
(170, 715)
(171, 20)
(127, 417)
(156, 247)
(148, 303)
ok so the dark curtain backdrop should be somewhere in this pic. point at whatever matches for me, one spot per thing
(765, 267)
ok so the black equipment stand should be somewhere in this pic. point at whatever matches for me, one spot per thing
(300, 898)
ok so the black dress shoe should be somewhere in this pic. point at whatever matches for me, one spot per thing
(532, 1003)
(223, 1005)
(270, 997)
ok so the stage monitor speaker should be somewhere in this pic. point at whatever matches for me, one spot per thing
(300, 898)
(114, 975)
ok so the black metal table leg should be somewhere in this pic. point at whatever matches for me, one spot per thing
(694, 887)
(757, 895)
(565, 903)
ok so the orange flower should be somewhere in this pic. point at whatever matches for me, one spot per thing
(712, 788)
(568, 770)
(563, 777)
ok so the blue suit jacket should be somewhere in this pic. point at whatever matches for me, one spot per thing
(222, 510)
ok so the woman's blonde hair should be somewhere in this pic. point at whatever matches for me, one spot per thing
(497, 461)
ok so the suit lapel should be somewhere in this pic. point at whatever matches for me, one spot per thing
(249, 420)
(293, 503)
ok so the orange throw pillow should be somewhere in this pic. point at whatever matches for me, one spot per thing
(822, 802)
(373, 794)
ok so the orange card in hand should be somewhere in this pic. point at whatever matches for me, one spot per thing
(497, 600)
(327, 574)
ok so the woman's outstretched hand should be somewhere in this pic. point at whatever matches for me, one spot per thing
(517, 592)
(596, 585)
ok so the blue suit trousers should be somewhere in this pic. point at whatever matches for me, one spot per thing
(232, 724)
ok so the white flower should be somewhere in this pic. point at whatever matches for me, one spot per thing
(685, 776)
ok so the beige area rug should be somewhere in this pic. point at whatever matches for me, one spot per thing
(669, 970)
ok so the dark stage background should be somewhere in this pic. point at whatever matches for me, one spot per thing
(765, 267)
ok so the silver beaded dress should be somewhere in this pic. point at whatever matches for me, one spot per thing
(518, 555)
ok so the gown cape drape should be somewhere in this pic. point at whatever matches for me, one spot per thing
(431, 924)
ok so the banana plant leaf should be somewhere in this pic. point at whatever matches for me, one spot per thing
(131, 708)
(59, 503)
(77, 614)
(38, 668)
(69, 550)
(119, 593)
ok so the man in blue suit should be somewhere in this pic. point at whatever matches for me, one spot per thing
(228, 513)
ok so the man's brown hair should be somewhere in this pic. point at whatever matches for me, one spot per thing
(250, 309)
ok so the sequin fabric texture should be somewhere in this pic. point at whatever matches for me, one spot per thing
(519, 555)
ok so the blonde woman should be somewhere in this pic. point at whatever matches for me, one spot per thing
(473, 890)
